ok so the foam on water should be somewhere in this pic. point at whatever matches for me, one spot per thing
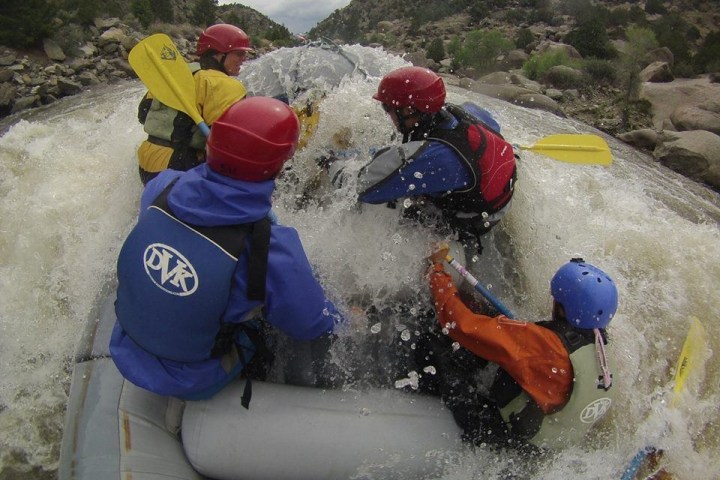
(69, 193)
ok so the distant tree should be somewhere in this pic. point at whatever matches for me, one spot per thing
(671, 31)
(84, 11)
(591, 39)
(436, 50)
(163, 10)
(205, 12)
(639, 42)
(524, 38)
(707, 59)
(653, 7)
(25, 23)
(234, 19)
(142, 9)
(543, 11)
(481, 49)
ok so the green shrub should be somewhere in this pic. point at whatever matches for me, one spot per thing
(600, 71)
(655, 7)
(454, 46)
(536, 66)
(524, 38)
(516, 16)
(436, 50)
(481, 48)
(25, 23)
(563, 78)
(707, 59)
(590, 39)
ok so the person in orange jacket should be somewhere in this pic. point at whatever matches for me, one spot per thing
(553, 382)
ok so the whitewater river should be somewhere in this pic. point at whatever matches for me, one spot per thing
(69, 188)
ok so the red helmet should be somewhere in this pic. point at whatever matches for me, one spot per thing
(252, 139)
(223, 38)
(414, 87)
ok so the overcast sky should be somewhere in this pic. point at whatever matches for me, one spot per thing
(298, 16)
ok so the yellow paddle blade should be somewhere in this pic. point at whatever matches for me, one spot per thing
(693, 347)
(582, 149)
(158, 63)
(309, 116)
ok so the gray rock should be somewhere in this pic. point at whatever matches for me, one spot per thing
(6, 75)
(691, 117)
(645, 138)
(53, 50)
(68, 87)
(695, 154)
(24, 103)
(657, 72)
(7, 59)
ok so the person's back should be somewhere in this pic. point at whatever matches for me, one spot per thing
(173, 139)
(204, 264)
(449, 158)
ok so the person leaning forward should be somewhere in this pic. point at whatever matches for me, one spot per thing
(204, 265)
(450, 158)
(553, 382)
(173, 139)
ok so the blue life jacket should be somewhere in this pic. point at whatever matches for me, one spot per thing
(175, 281)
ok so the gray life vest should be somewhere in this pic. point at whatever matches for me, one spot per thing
(588, 403)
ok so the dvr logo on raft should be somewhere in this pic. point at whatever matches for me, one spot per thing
(170, 270)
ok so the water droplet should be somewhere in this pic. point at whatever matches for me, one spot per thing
(376, 328)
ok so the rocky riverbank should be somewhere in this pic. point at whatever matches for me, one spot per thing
(682, 128)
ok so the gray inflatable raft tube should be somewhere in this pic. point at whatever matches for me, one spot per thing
(114, 430)
(299, 433)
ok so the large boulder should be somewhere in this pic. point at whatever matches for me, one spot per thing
(664, 98)
(695, 154)
(657, 72)
(701, 117)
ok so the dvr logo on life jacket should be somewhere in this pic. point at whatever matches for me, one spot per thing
(169, 270)
(595, 410)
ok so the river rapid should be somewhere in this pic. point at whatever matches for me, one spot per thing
(70, 191)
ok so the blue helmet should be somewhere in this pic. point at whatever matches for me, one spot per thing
(588, 295)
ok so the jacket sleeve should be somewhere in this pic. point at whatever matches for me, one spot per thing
(533, 355)
(295, 302)
(412, 169)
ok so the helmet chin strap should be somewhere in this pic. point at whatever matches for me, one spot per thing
(606, 376)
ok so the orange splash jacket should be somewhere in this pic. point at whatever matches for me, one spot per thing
(533, 355)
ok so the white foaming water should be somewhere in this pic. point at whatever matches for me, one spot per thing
(70, 191)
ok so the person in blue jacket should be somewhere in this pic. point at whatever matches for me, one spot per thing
(204, 263)
(453, 162)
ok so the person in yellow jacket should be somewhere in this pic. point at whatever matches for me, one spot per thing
(173, 139)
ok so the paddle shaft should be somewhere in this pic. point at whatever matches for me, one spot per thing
(499, 306)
